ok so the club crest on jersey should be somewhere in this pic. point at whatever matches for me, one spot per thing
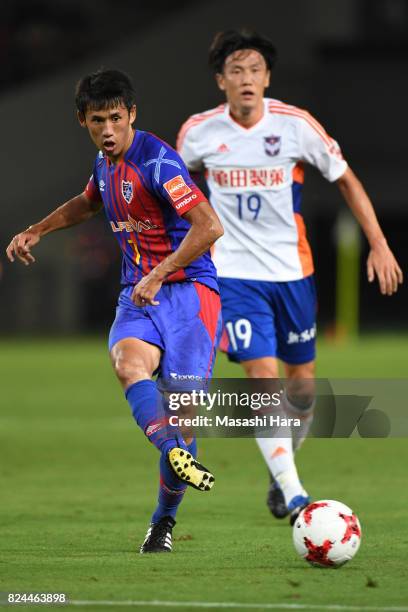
(127, 190)
(272, 145)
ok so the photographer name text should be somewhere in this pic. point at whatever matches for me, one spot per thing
(226, 421)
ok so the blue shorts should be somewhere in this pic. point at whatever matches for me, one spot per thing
(269, 319)
(186, 326)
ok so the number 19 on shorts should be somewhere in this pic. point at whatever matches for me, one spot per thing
(239, 333)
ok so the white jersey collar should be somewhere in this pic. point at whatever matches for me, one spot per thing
(242, 128)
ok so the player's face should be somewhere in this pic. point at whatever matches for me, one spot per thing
(110, 129)
(244, 79)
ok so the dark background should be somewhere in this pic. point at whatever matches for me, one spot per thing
(344, 60)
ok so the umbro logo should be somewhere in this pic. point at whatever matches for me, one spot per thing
(223, 148)
(101, 185)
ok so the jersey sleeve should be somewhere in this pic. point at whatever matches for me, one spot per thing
(92, 187)
(172, 182)
(320, 150)
(92, 190)
(187, 147)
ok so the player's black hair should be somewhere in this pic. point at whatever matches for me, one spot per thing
(227, 42)
(104, 89)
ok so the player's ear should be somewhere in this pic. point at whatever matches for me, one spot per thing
(132, 114)
(267, 78)
(219, 77)
(81, 119)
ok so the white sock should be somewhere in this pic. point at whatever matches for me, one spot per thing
(278, 455)
(305, 414)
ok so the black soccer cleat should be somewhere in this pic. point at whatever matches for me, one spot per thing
(189, 470)
(159, 536)
(276, 500)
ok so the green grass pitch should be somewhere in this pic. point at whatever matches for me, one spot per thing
(78, 483)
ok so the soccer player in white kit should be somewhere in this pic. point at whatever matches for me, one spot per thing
(253, 150)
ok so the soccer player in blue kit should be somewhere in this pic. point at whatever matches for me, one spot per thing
(168, 316)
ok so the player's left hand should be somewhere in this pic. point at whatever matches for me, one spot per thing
(382, 263)
(146, 290)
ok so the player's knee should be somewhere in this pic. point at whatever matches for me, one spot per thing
(302, 402)
(130, 370)
(300, 385)
(260, 370)
(301, 393)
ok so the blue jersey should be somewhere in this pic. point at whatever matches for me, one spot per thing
(145, 196)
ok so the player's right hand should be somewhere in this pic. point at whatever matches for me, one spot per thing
(382, 264)
(20, 246)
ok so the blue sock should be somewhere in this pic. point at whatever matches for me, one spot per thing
(148, 409)
(192, 447)
(171, 490)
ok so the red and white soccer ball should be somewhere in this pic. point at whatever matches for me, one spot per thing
(327, 533)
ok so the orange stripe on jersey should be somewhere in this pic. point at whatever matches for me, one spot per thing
(307, 117)
(296, 109)
(304, 250)
(195, 120)
(298, 173)
(282, 109)
(316, 126)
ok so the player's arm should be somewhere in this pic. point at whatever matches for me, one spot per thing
(74, 211)
(381, 261)
(205, 229)
(319, 149)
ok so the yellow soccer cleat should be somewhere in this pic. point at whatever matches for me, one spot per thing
(189, 470)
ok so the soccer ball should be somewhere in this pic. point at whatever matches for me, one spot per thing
(327, 533)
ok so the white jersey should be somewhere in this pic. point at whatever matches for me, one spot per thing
(255, 178)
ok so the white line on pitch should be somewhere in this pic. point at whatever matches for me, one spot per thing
(248, 606)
